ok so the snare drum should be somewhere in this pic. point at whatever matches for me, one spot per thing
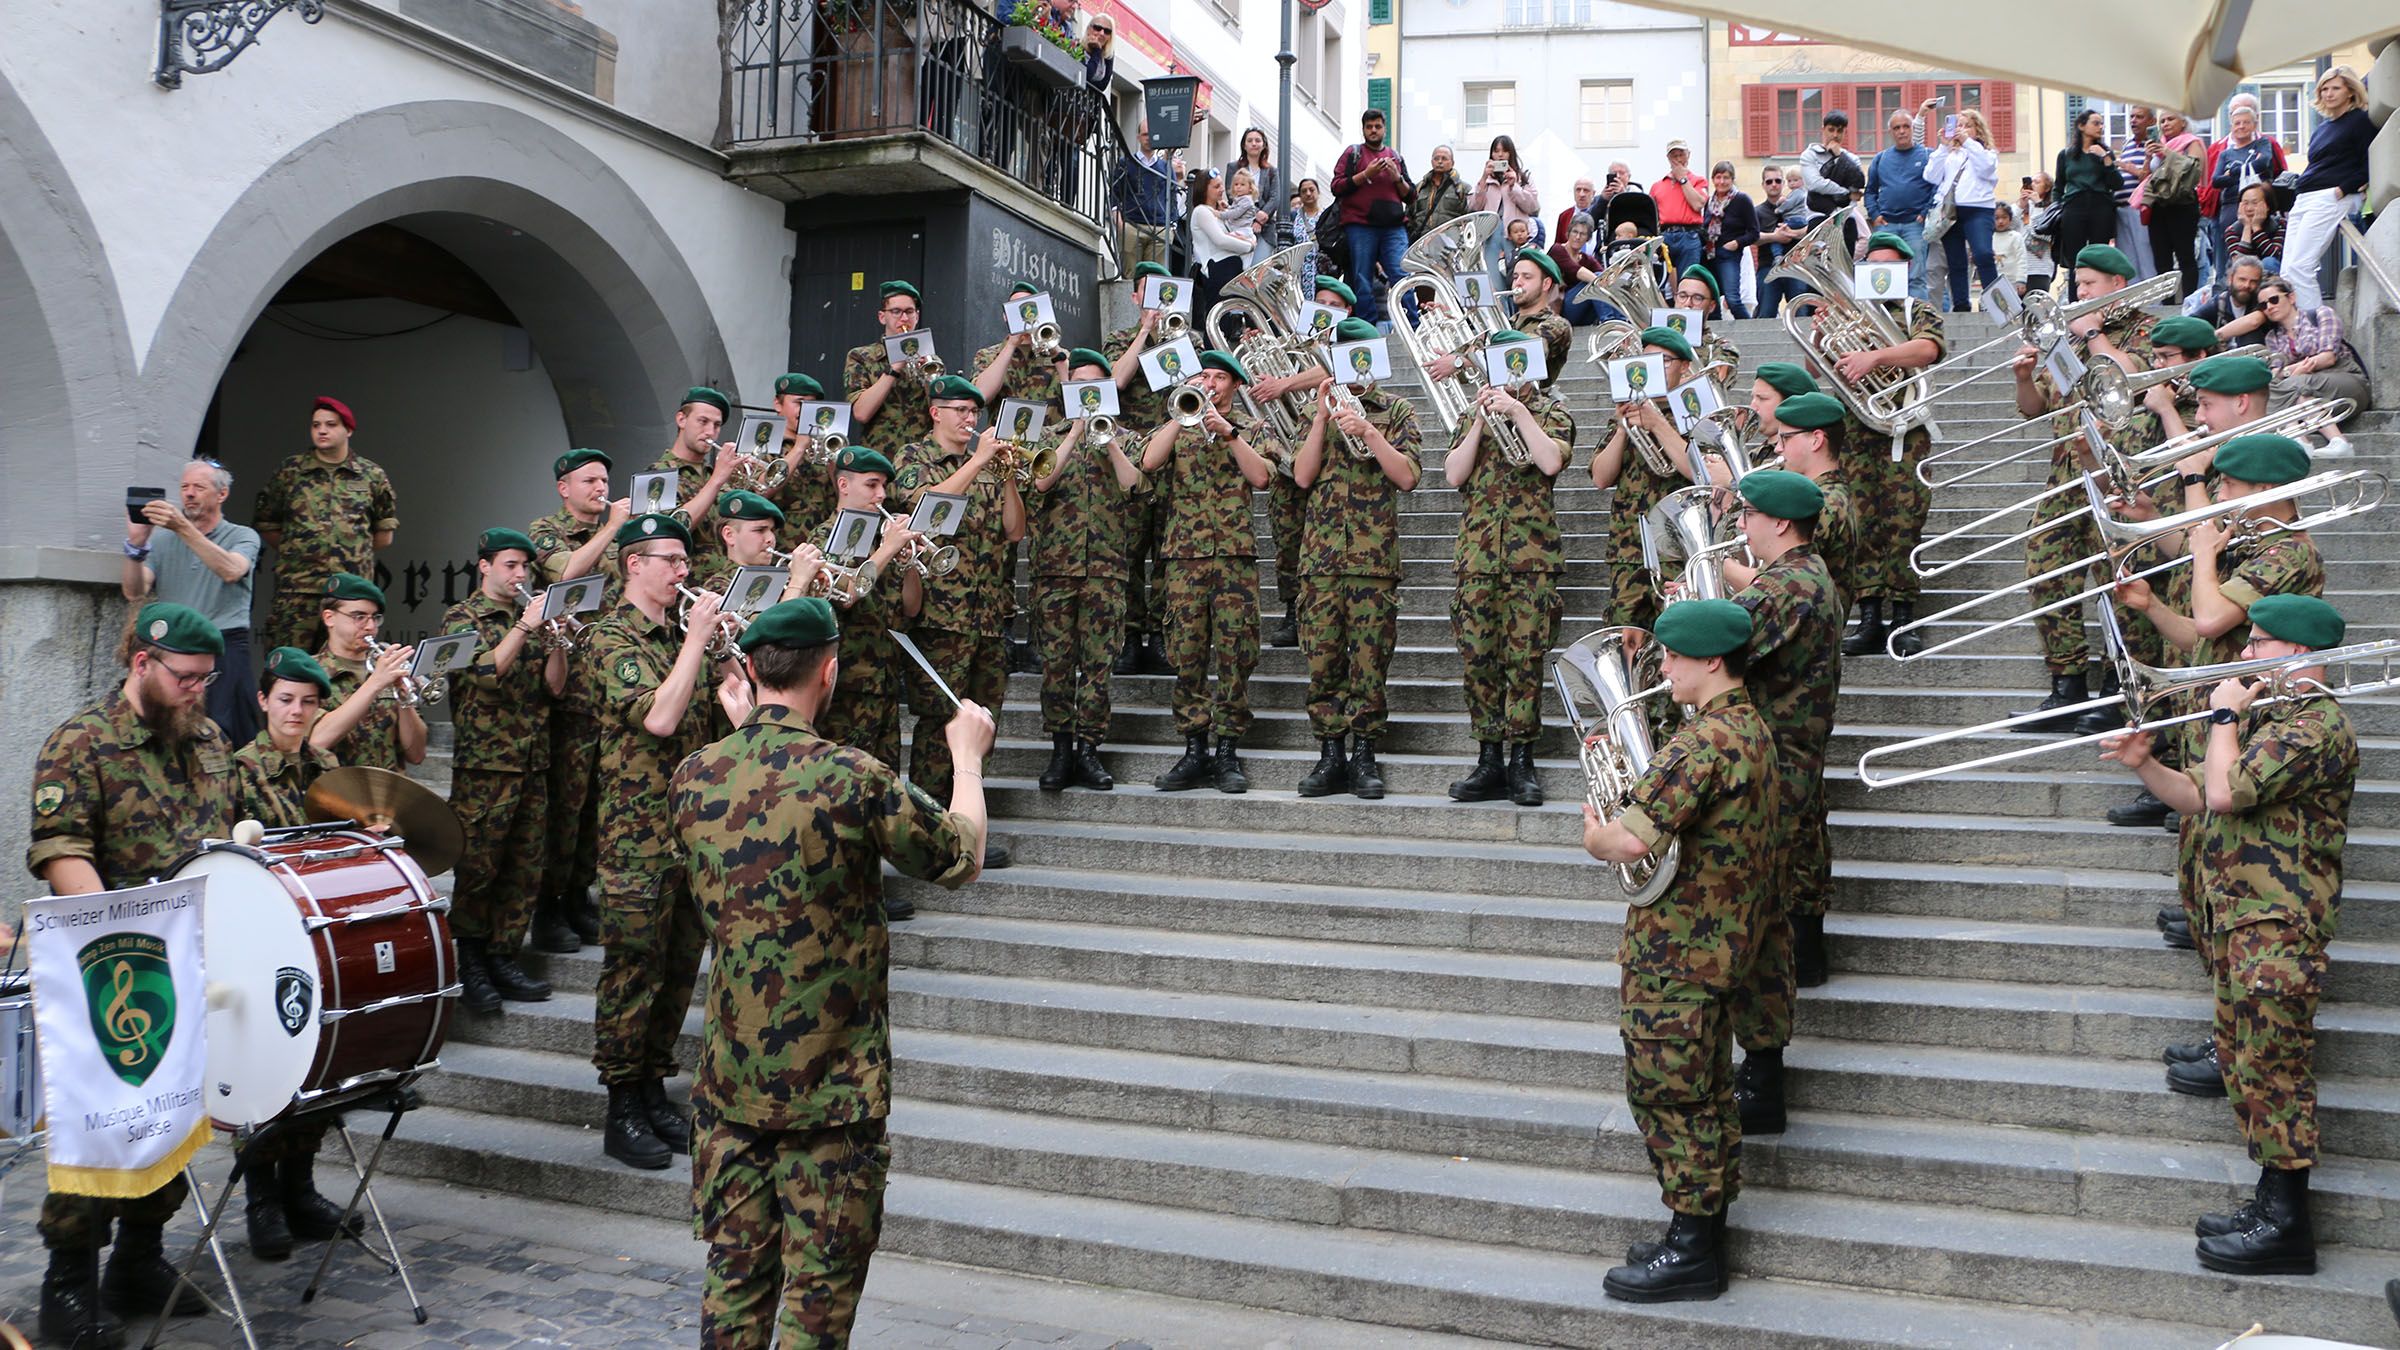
(20, 1064)
(330, 968)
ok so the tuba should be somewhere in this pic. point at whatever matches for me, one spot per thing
(1269, 296)
(1618, 669)
(1842, 325)
(1446, 326)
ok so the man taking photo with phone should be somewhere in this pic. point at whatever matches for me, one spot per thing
(206, 562)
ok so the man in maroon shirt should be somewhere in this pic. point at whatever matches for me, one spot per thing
(1373, 188)
(1681, 196)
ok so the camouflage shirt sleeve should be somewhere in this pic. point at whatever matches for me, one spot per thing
(1683, 779)
(383, 503)
(2292, 757)
(628, 675)
(2284, 567)
(68, 803)
(915, 834)
(274, 506)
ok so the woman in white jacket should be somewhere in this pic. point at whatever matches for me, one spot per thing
(1218, 253)
(1965, 159)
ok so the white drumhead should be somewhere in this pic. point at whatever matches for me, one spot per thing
(264, 986)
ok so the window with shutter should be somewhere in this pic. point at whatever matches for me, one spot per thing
(1379, 97)
(1379, 11)
(1758, 121)
(2000, 109)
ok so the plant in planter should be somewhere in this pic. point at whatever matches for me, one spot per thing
(1036, 15)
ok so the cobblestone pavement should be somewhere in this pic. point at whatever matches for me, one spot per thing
(498, 1272)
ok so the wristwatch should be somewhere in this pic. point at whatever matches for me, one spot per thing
(2222, 717)
(2193, 480)
(137, 552)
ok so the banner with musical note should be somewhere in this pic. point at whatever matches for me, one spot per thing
(120, 1012)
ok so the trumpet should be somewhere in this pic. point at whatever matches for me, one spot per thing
(1188, 404)
(1023, 465)
(561, 634)
(721, 643)
(929, 560)
(1045, 340)
(408, 691)
(1172, 325)
(1619, 671)
(1099, 430)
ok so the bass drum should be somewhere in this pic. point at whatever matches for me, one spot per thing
(330, 970)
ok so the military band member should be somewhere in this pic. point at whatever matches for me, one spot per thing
(1350, 571)
(747, 526)
(121, 791)
(1535, 287)
(864, 708)
(577, 540)
(1011, 368)
(1893, 498)
(1806, 428)
(500, 772)
(323, 512)
(1140, 410)
(1287, 509)
(1211, 555)
(1713, 787)
(1794, 677)
(1639, 484)
(701, 470)
(788, 834)
(1506, 607)
(2272, 788)
(1080, 515)
(653, 686)
(364, 722)
(806, 492)
(887, 402)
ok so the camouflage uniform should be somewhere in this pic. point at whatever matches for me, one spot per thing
(1632, 592)
(1140, 411)
(375, 741)
(499, 777)
(108, 791)
(787, 834)
(1506, 609)
(1713, 786)
(906, 417)
(691, 487)
(2271, 872)
(1836, 537)
(1211, 554)
(271, 787)
(329, 515)
(1350, 575)
(1558, 341)
(807, 493)
(2060, 632)
(1031, 378)
(647, 923)
(1081, 529)
(1893, 499)
(963, 626)
(865, 708)
(1795, 677)
(571, 853)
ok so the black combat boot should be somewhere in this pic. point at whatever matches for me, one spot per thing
(1366, 776)
(2065, 692)
(2109, 718)
(996, 855)
(1904, 613)
(139, 1281)
(72, 1313)
(311, 1215)
(1332, 773)
(262, 1206)
(1687, 1265)
(1758, 1091)
(551, 931)
(667, 1120)
(1809, 967)
(475, 979)
(2278, 1240)
(1228, 771)
(2218, 1225)
(1090, 772)
(1061, 770)
(2178, 934)
(631, 1141)
(2202, 1077)
(1129, 660)
(1190, 771)
(1489, 779)
(898, 908)
(2184, 1052)
(2145, 811)
(583, 915)
(1866, 636)
(1524, 783)
(1154, 657)
(511, 980)
(1287, 632)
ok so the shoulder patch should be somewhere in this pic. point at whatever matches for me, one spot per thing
(48, 797)
(923, 799)
(628, 669)
(908, 478)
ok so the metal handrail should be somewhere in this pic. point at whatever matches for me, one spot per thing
(2366, 259)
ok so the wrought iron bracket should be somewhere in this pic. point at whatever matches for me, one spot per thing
(196, 37)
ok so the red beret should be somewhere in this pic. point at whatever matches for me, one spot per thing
(340, 410)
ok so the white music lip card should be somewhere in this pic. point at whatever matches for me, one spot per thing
(1692, 400)
(576, 595)
(653, 492)
(1092, 398)
(1171, 364)
(1682, 321)
(938, 513)
(439, 656)
(1024, 312)
(1021, 420)
(831, 418)
(1886, 281)
(854, 534)
(1167, 293)
(1362, 362)
(1507, 363)
(1633, 378)
(913, 345)
(753, 589)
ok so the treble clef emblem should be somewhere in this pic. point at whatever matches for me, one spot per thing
(126, 1022)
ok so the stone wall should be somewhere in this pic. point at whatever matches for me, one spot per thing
(58, 644)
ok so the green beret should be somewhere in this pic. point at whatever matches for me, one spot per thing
(741, 505)
(182, 629)
(1700, 272)
(650, 526)
(1355, 330)
(1508, 335)
(1340, 288)
(1224, 361)
(1085, 356)
(891, 288)
(2304, 619)
(1669, 339)
(1810, 411)
(2185, 333)
(1887, 239)
(1023, 288)
(2262, 459)
(807, 622)
(1150, 269)
(1703, 628)
(291, 663)
(501, 539)
(1543, 261)
(860, 459)
(2105, 258)
(1782, 494)
(951, 387)
(701, 393)
(575, 459)
(1787, 379)
(797, 383)
(351, 586)
(2231, 375)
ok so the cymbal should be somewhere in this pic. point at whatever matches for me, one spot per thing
(392, 803)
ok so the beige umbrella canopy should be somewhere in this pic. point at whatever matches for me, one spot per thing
(2179, 54)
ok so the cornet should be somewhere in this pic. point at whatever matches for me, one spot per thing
(753, 473)
(721, 644)
(1172, 325)
(1619, 671)
(929, 560)
(1026, 467)
(833, 581)
(1045, 340)
(558, 635)
(1188, 404)
(1099, 430)
(408, 691)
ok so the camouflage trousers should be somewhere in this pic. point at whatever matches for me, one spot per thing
(76, 1223)
(1081, 623)
(2268, 976)
(1632, 595)
(1212, 629)
(1348, 626)
(653, 936)
(502, 813)
(1679, 1084)
(571, 848)
(1892, 504)
(2060, 633)
(976, 669)
(1762, 1000)
(791, 1218)
(865, 708)
(1287, 510)
(1145, 571)
(292, 615)
(1505, 623)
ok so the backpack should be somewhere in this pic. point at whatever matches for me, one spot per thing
(2174, 179)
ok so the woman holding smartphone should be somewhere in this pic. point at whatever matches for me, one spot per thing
(2086, 180)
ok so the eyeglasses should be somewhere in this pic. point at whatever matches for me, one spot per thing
(371, 618)
(1788, 433)
(182, 681)
(967, 408)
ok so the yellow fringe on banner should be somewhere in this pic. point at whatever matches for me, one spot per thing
(115, 1183)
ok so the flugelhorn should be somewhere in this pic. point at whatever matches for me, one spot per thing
(729, 627)
(1026, 466)
(408, 691)
(833, 580)
(560, 634)
(1172, 325)
(1618, 669)
(929, 560)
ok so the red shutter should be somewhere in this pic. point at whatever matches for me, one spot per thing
(1837, 99)
(1758, 121)
(2000, 109)
(1912, 97)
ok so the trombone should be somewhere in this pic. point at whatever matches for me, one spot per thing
(1619, 671)
(2112, 394)
(2043, 325)
(558, 635)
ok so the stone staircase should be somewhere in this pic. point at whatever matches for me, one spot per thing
(1359, 1059)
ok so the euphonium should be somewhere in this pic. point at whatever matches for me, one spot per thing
(559, 634)
(729, 626)
(1445, 326)
(1685, 544)
(408, 691)
(929, 560)
(1629, 283)
(1269, 296)
(1614, 340)
(1618, 669)
(1842, 325)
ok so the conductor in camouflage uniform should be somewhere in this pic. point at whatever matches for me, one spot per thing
(788, 834)
(887, 402)
(1287, 501)
(1350, 571)
(1807, 429)
(1505, 610)
(1712, 787)
(2272, 789)
(121, 791)
(364, 721)
(322, 512)
(1894, 500)
(1639, 484)
(1080, 517)
(577, 540)
(1140, 409)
